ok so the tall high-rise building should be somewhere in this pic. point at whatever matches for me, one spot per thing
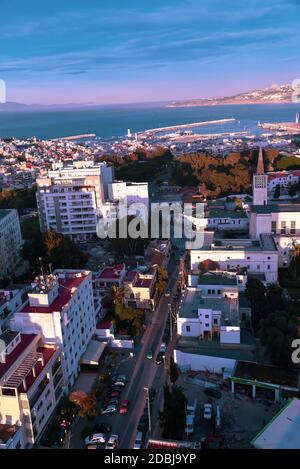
(260, 183)
(71, 199)
(10, 241)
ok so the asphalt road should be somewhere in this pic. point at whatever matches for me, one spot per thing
(145, 372)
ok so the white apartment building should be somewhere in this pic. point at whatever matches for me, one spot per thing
(259, 257)
(71, 199)
(207, 318)
(10, 301)
(280, 220)
(61, 308)
(132, 198)
(31, 385)
(10, 241)
(282, 178)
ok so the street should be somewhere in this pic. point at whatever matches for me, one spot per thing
(144, 373)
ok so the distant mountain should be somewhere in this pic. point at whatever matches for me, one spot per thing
(274, 94)
(12, 106)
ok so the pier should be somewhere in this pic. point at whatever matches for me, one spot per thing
(74, 137)
(187, 126)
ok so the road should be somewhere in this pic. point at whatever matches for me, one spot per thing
(142, 373)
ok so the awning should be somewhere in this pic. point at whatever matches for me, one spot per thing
(93, 353)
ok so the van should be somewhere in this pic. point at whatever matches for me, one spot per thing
(138, 441)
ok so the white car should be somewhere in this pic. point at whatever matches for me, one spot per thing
(109, 409)
(138, 441)
(95, 438)
(207, 412)
(113, 442)
(163, 347)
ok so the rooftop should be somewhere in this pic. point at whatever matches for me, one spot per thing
(111, 272)
(282, 432)
(26, 340)
(213, 348)
(192, 301)
(226, 214)
(216, 279)
(275, 208)
(266, 374)
(4, 213)
(65, 293)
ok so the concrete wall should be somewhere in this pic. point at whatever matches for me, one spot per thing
(203, 362)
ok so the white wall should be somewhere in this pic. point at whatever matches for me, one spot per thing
(203, 362)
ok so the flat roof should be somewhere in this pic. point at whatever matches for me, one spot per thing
(64, 295)
(282, 432)
(218, 213)
(213, 348)
(193, 300)
(4, 212)
(275, 208)
(266, 374)
(26, 340)
(216, 279)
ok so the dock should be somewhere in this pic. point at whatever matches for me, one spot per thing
(187, 126)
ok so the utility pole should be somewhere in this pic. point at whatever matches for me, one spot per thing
(149, 411)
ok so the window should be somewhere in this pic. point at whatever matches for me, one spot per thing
(258, 267)
(215, 321)
(283, 227)
(219, 292)
(206, 316)
(273, 226)
(293, 227)
(188, 328)
(206, 324)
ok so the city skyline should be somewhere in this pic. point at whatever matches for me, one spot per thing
(56, 54)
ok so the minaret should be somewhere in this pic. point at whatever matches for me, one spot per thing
(260, 183)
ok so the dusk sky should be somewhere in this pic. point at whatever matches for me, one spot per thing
(151, 50)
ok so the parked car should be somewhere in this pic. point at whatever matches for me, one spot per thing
(123, 409)
(113, 442)
(102, 428)
(108, 409)
(149, 355)
(159, 358)
(94, 439)
(213, 393)
(207, 411)
(138, 440)
(112, 395)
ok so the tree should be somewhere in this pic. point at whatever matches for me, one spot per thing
(162, 280)
(87, 405)
(172, 418)
(256, 293)
(277, 332)
(128, 245)
(277, 191)
(173, 371)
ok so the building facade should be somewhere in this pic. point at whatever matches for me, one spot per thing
(61, 308)
(10, 241)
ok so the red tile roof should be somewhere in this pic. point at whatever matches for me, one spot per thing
(64, 296)
(130, 276)
(111, 273)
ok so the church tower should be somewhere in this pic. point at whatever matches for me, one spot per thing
(260, 183)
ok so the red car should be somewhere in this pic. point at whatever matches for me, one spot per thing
(123, 409)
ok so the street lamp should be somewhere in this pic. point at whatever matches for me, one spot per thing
(149, 411)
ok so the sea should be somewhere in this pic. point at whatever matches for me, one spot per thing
(109, 122)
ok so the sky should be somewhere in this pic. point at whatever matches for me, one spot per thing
(122, 51)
